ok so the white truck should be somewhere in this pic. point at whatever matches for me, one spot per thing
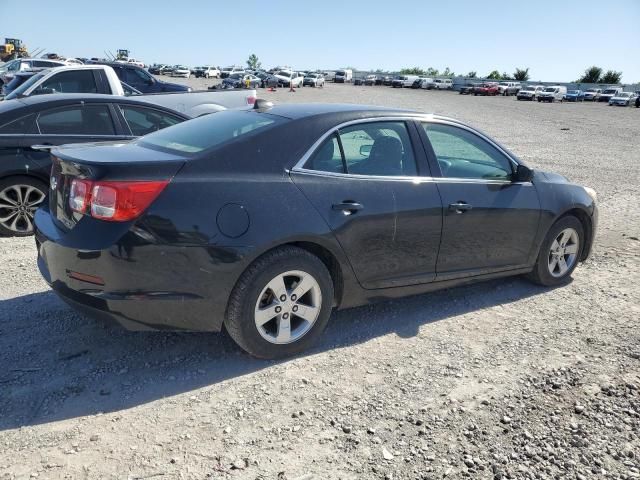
(103, 79)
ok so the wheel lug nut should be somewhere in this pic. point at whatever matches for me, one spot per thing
(285, 316)
(283, 298)
(278, 309)
(295, 308)
(294, 297)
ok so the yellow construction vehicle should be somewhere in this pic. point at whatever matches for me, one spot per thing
(12, 48)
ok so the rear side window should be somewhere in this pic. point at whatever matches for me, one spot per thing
(209, 131)
(143, 120)
(376, 148)
(77, 120)
(79, 81)
(21, 126)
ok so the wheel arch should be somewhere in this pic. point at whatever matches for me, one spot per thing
(32, 174)
(587, 226)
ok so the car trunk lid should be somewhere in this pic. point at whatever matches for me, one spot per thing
(104, 162)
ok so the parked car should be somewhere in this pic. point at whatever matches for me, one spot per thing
(370, 80)
(288, 78)
(142, 80)
(18, 79)
(210, 72)
(427, 83)
(118, 247)
(402, 81)
(443, 84)
(158, 69)
(240, 80)
(267, 79)
(181, 71)
(387, 80)
(137, 63)
(486, 89)
(592, 94)
(225, 72)
(49, 120)
(574, 96)
(608, 93)
(9, 69)
(343, 76)
(468, 88)
(313, 80)
(358, 81)
(553, 93)
(623, 99)
(530, 92)
(103, 79)
(380, 79)
(508, 88)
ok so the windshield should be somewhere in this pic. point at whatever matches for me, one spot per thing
(18, 92)
(504, 84)
(609, 90)
(208, 131)
(235, 76)
(529, 89)
(573, 92)
(284, 73)
(624, 94)
(340, 72)
(311, 75)
(593, 90)
(9, 66)
(549, 89)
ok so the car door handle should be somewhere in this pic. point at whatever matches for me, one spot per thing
(347, 207)
(459, 207)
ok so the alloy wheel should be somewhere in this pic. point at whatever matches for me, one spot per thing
(288, 307)
(563, 253)
(18, 204)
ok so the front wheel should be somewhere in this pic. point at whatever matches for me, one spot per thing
(281, 304)
(559, 253)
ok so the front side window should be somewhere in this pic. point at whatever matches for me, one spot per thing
(77, 120)
(79, 81)
(462, 154)
(142, 120)
(376, 148)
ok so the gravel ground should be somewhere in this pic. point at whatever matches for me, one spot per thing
(498, 380)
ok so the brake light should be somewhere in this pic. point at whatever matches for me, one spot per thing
(119, 201)
(251, 100)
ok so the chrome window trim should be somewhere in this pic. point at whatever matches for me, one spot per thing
(421, 117)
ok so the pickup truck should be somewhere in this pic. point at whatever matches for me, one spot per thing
(103, 79)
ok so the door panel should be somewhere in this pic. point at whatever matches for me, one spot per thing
(393, 239)
(496, 233)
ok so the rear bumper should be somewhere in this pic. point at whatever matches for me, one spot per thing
(142, 285)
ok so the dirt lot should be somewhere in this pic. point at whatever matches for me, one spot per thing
(498, 380)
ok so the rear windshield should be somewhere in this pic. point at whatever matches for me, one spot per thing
(25, 86)
(209, 131)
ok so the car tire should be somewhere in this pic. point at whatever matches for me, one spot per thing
(20, 195)
(564, 242)
(263, 283)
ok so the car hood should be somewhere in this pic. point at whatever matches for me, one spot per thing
(551, 177)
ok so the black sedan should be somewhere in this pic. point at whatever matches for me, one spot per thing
(263, 221)
(240, 80)
(31, 125)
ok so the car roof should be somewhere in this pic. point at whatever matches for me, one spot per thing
(61, 99)
(295, 111)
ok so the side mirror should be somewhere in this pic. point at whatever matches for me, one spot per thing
(523, 174)
(43, 91)
(365, 150)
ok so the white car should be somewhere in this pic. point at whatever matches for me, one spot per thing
(623, 99)
(228, 71)
(181, 71)
(530, 92)
(288, 78)
(133, 61)
(442, 84)
(211, 72)
(509, 88)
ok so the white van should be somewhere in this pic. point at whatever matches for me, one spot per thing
(443, 84)
(343, 76)
(403, 81)
(551, 94)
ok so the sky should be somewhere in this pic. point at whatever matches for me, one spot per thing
(556, 40)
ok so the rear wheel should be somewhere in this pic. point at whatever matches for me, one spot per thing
(20, 197)
(281, 304)
(559, 254)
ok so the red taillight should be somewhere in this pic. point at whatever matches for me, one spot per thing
(251, 100)
(80, 195)
(114, 201)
